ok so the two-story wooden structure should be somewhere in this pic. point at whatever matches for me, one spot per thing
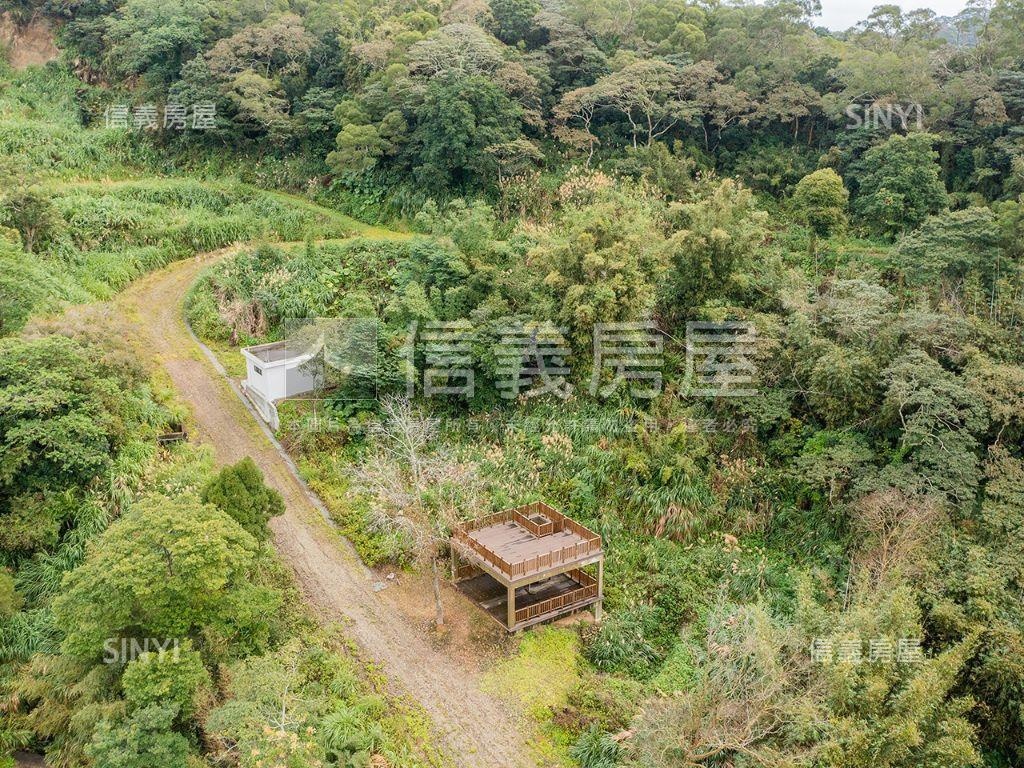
(527, 565)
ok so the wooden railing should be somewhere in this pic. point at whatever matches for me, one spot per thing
(467, 570)
(586, 590)
(537, 529)
(483, 522)
(567, 554)
(590, 545)
(463, 537)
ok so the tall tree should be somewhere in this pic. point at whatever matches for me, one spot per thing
(899, 184)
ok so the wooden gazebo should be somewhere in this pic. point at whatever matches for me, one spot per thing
(527, 565)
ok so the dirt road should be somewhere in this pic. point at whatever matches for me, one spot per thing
(472, 728)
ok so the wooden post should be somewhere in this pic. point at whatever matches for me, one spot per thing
(511, 607)
(600, 591)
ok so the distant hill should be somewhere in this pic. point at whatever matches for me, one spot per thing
(962, 29)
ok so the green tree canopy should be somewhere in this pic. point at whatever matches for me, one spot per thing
(166, 569)
(820, 200)
(716, 239)
(898, 184)
(239, 491)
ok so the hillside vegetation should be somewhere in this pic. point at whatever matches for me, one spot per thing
(823, 569)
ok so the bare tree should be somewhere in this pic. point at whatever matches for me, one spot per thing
(895, 529)
(397, 478)
(405, 435)
(754, 673)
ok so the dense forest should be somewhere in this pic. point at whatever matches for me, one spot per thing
(816, 563)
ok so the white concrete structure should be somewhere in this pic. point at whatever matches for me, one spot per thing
(277, 371)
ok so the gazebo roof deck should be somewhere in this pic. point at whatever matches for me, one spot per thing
(527, 541)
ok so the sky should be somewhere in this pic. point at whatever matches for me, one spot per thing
(838, 15)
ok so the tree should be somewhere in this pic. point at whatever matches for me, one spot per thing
(644, 92)
(820, 201)
(32, 213)
(709, 101)
(842, 382)
(788, 103)
(65, 409)
(574, 115)
(938, 419)
(603, 263)
(166, 569)
(949, 250)
(459, 118)
(358, 147)
(25, 284)
(899, 184)
(888, 713)
(575, 60)
(239, 491)
(277, 48)
(414, 492)
(516, 157)
(142, 740)
(274, 707)
(172, 679)
(154, 38)
(750, 682)
(714, 241)
(513, 18)
(260, 70)
(895, 532)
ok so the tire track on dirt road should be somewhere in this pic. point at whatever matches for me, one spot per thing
(473, 729)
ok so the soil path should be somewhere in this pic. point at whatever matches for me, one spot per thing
(472, 728)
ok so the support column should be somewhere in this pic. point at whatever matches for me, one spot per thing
(600, 591)
(511, 607)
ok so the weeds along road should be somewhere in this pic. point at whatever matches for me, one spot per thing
(472, 728)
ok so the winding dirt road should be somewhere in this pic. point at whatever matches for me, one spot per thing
(472, 728)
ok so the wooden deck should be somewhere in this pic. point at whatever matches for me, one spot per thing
(536, 602)
(525, 565)
(514, 544)
(521, 543)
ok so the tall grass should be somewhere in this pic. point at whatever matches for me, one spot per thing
(115, 232)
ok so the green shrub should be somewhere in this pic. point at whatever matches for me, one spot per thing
(624, 642)
(596, 749)
(239, 491)
(169, 678)
(143, 740)
(353, 730)
(678, 672)
(10, 600)
(202, 313)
